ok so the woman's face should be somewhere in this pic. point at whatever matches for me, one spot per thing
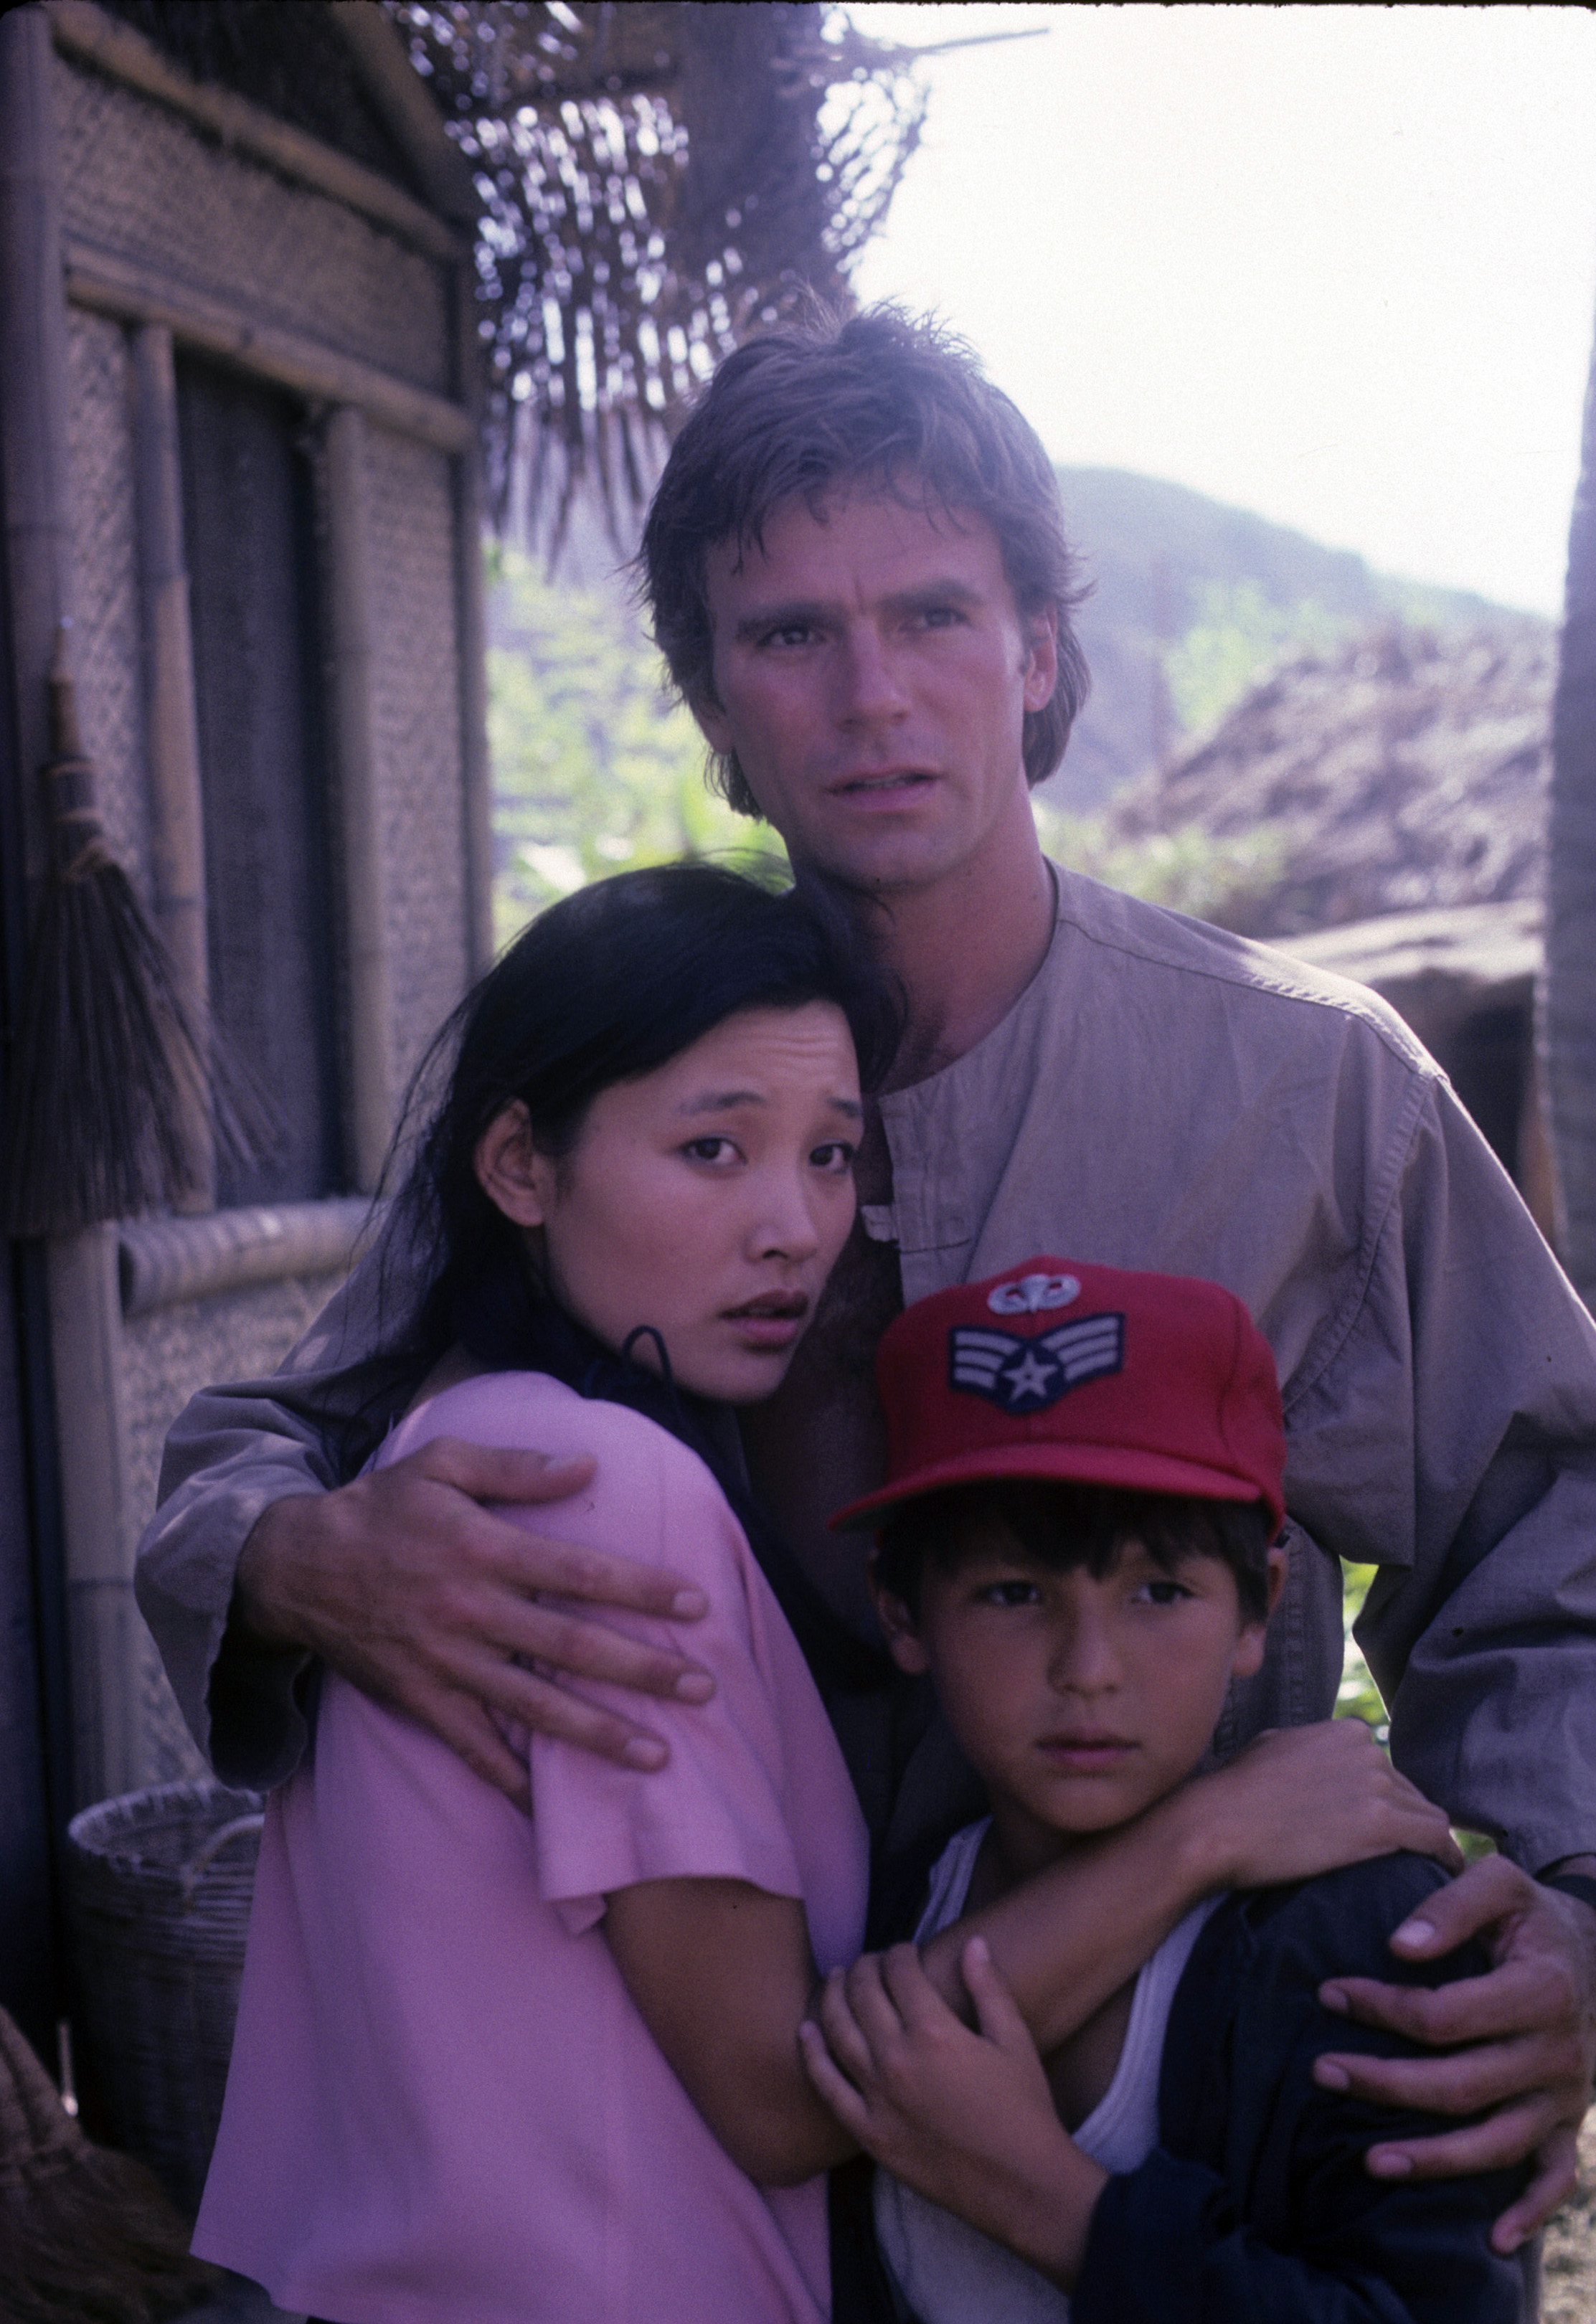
(708, 1198)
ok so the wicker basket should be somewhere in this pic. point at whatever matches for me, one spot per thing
(158, 1887)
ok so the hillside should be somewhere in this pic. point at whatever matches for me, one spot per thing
(1190, 600)
(1405, 769)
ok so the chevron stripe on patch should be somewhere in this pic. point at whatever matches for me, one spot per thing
(1023, 1376)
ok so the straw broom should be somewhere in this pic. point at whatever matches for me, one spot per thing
(86, 2236)
(114, 1069)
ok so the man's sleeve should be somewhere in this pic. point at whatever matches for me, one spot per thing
(232, 1452)
(1452, 1437)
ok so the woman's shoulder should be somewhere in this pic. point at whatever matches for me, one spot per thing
(649, 1496)
(535, 1413)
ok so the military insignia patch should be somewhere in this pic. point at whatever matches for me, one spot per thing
(1024, 1376)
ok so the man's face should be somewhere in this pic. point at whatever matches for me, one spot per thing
(1078, 1699)
(873, 675)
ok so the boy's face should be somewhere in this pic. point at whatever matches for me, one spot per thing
(1079, 1702)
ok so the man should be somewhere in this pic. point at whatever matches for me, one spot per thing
(860, 580)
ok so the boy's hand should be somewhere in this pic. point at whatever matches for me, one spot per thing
(1304, 1800)
(404, 1583)
(1527, 2031)
(964, 2118)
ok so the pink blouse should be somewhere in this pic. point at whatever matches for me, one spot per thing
(443, 2107)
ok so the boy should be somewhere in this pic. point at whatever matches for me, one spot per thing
(1083, 1487)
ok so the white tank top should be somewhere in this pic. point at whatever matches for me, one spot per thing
(949, 2272)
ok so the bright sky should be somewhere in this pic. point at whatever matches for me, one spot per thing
(1335, 264)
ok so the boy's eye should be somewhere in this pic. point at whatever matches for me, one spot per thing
(1164, 1591)
(1010, 1594)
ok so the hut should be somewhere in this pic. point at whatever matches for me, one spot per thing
(239, 458)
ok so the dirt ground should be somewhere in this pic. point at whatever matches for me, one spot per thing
(1568, 2294)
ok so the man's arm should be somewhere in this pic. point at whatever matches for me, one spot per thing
(1453, 1436)
(259, 1559)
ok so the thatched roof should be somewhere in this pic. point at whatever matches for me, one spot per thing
(1406, 770)
(656, 181)
(647, 183)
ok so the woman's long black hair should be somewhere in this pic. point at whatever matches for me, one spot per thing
(605, 986)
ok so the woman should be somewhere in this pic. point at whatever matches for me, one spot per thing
(491, 2070)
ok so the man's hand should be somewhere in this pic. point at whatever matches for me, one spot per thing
(1529, 2032)
(966, 2117)
(403, 1582)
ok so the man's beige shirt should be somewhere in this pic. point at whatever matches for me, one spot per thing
(1163, 1095)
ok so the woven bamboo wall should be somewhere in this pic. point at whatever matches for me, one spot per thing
(167, 1355)
(141, 183)
(417, 702)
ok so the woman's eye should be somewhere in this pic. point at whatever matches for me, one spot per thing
(710, 1150)
(836, 1154)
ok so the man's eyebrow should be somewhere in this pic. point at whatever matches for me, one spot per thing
(727, 1102)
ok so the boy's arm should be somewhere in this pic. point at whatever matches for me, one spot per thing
(1298, 1802)
(722, 1974)
(963, 2114)
(967, 2118)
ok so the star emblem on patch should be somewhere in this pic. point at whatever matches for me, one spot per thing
(1020, 1376)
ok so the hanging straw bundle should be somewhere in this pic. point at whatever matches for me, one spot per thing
(114, 1082)
(86, 2236)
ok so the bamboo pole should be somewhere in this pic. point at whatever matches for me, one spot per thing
(371, 1010)
(177, 822)
(471, 645)
(413, 121)
(33, 392)
(84, 1323)
(172, 1262)
(132, 294)
(104, 1625)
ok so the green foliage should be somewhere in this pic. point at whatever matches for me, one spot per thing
(1211, 876)
(1237, 633)
(1358, 1696)
(595, 769)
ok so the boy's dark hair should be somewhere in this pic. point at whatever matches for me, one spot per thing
(898, 403)
(1063, 1526)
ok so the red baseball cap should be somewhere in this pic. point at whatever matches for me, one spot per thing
(1091, 1375)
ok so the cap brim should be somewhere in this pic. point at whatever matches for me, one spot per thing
(1125, 1466)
